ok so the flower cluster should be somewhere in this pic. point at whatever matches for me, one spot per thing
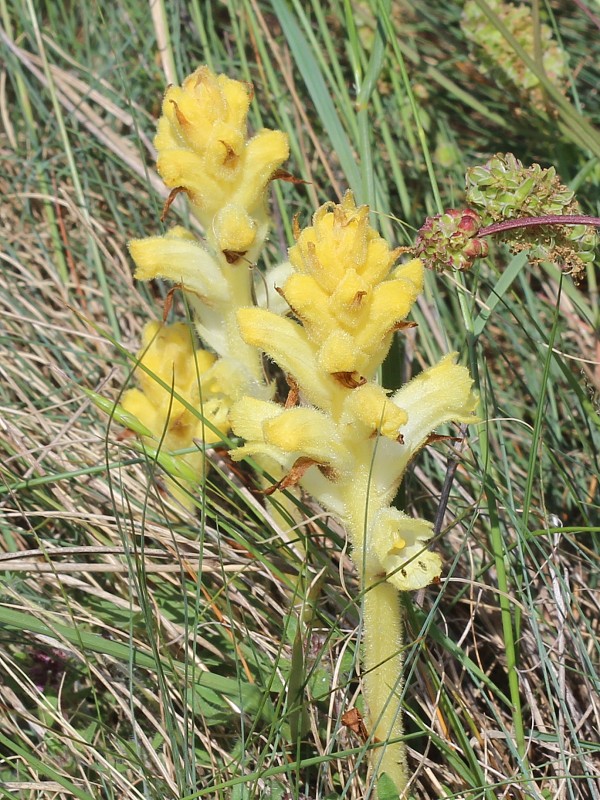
(340, 435)
(504, 188)
(345, 439)
(449, 240)
(204, 150)
(498, 57)
(183, 398)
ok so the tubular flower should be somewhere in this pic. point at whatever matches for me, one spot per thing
(204, 150)
(349, 299)
(348, 442)
(175, 377)
(203, 147)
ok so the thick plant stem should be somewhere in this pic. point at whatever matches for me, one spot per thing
(382, 662)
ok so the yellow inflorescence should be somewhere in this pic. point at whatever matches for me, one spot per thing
(183, 399)
(204, 151)
(343, 290)
(349, 299)
(341, 435)
(203, 147)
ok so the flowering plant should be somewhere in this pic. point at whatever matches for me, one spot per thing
(340, 436)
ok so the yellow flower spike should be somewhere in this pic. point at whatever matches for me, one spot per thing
(341, 239)
(173, 366)
(343, 292)
(349, 298)
(206, 114)
(203, 148)
(203, 100)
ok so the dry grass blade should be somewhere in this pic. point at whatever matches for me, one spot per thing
(147, 651)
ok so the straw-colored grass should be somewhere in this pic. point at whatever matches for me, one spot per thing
(146, 652)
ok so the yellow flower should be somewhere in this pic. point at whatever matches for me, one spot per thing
(203, 148)
(396, 545)
(343, 292)
(344, 440)
(286, 435)
(352, 440)
(180, 257)
(183, 396)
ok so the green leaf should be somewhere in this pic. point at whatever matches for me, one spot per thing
(117, 412)
(319, 93)
(386, 788)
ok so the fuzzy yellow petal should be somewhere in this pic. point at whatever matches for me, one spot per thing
(412, 271)
(391, 302)
(138, 404)
(340, 353)
(308, 300)
(234, 228)
(180, 167)
(287, 344)
(306, 432)
(249, 415)
(248, 418)
(440, 394)
(349, 298)
(370, 405)
(399, 544)
(265, 152)
(179, 259)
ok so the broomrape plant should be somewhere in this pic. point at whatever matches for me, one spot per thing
(346, 440)
(341, 437)
(326, 317)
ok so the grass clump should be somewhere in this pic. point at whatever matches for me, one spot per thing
(152, 652)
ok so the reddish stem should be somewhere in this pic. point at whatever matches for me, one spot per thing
(531, 222)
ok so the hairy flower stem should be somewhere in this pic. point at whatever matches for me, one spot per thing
(531, 222)
(383, 682)
(382, 639)
(238, 279)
